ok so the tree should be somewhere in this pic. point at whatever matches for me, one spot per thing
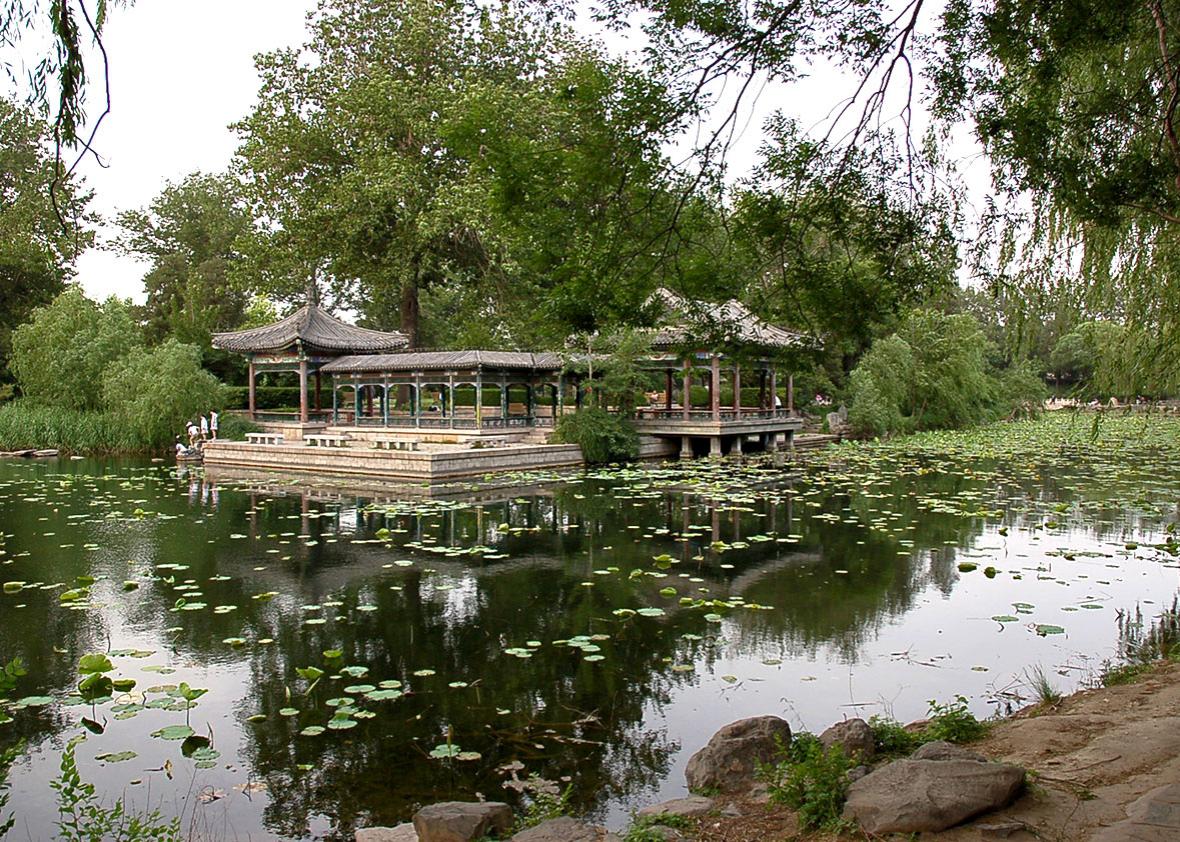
(60, 356)
(1075, 104)
(833, 245)
(932, 373)
(190, 236)
(36, 253)
(432, 144)
(156, 390)
(73, 30)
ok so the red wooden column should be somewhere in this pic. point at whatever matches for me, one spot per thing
(687, 403)
(715, 388)
(250, 404)
(773, 389)
(791, 394)
(737, 390)
(303, 391)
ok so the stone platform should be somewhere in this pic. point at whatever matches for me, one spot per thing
(431, 464)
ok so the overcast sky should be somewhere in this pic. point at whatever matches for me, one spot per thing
(183, 70)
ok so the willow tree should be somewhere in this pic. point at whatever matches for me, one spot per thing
(419, 144)
(36, 253)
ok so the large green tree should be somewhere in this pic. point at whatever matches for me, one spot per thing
(36, 252)
(835, 244)
(189, 234)
(486, 154)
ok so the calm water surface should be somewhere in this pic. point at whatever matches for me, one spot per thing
(550, 627)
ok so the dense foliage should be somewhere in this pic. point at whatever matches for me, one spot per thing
(603, 436)
(933, 373)
(36, 252)
(156, 390)
(91, 385)
(60, 356)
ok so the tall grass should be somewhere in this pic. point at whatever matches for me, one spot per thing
(24, 426)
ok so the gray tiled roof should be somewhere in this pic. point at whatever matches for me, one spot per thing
(730, 320)
(318, 331)
(438, 360)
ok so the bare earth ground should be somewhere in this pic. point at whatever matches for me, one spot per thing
(1089, 756)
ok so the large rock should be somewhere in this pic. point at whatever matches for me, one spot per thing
(461, 821)
(565, 830)
(855, 736)
(728, 760)
(942, 750)
(1155, 817)
(401, 833)
(915, 796)
(689, 808)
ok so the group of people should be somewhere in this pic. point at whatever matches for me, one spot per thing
(199, 431)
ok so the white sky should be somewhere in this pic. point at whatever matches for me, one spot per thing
(183, 70)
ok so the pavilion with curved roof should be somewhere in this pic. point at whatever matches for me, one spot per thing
(304, 342)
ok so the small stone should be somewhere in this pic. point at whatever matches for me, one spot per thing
(857, 772)
(565, 829)
(461, 821)
(942, 750)
(401, 833)
(690, 807)
(1000, 830)
(729, 760)
(855, 736)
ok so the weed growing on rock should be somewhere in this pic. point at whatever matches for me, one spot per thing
(647, 828)
(811, 780)
(892, 738)
(953, 722)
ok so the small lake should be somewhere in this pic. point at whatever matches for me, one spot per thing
(593, 629)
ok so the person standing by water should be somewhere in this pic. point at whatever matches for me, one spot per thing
(193, 433)
(204, 428)
(213, 419)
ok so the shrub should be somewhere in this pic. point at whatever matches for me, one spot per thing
(602, 436)
(156, 390)
(811, 780)
(235, 427)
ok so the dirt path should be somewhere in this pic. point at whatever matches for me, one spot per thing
(1090, 756)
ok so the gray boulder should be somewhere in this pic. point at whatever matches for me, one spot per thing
(461, 821)
(401, 833)
(728, 760)
(915, 796)
(565, 830)
(942, 750)
(855, 736)
(690, 807)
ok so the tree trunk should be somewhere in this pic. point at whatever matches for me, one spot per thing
(409, 310)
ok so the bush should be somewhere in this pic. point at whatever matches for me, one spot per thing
(266, 397)
(235, 427)
(155, 391)
(602, 436)
(811, 780)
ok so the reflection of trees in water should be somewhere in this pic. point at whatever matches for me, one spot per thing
(563, 716)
